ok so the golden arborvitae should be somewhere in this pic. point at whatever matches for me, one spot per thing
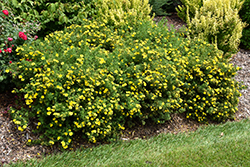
(188, 5)
(218, 22)
(120, 12)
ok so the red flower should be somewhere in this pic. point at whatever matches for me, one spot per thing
(22, 35)
(5, 12)
(10, 62)
(25, 37)
(0, 51)
(9, 50)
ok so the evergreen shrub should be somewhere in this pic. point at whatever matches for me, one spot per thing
(216, 22)
(119, 13)
(161, 7)
(94, 80)
(245, 16)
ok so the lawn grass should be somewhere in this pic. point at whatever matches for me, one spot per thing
(205, 147)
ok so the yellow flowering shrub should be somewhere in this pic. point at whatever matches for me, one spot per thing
(94, 79)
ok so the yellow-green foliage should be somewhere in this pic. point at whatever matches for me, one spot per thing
(218, 22)
(120, 12)
(190, 6)
(94, 79)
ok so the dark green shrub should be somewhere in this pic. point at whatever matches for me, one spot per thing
(54, 15)
(245, 16)
(94, 79)
(160, 7)
(163, 7)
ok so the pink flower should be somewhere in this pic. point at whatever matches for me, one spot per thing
(22, 35)
(36, 37)
(10, 39)
(0, 51)
(5, 12)
(9, 50)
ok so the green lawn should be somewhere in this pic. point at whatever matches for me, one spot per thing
(205, 147)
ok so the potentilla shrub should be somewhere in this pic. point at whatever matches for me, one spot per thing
(94, 79)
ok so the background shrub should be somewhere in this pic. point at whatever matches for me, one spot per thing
(10, 39)
(245, 16)
(217, 23)
(161, 7)
(119, 13)
(94, 79)
(54, 15)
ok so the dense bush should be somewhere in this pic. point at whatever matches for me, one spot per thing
(54, 15)
(12, 34)
(120, 13)
(245, 16)
(93, 79)
(161, 7)
(216, 22)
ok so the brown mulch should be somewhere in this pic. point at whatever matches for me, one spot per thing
(13, 142)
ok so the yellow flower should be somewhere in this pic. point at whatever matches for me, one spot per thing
(70, 133)
(19, 128)
(7, 71)
(43, 58)
(51, 142)
(48, 113)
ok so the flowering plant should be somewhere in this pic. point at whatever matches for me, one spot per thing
(12, 34)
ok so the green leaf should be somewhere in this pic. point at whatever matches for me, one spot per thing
(52, 7)
(14, 2)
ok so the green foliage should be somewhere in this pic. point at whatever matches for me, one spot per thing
(218, 23)
(245, 16)
(54, 15)
(9, 40)
(120, 13)
(94, 79)
(190, 6)
(160, 7)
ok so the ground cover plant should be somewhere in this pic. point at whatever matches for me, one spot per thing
(95, 80)
(220, 145)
